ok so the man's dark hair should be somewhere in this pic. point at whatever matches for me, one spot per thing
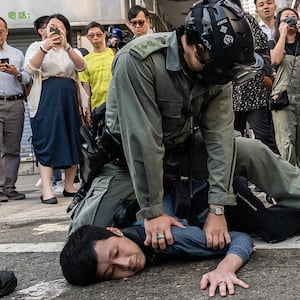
(256, 1)
(92, 25)
(5, 24)
(134, 10)
(78, 258)
(40, 23)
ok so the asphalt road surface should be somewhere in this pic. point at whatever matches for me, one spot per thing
(32, 252)
(32, 235)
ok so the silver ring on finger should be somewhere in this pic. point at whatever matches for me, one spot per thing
(160, 237)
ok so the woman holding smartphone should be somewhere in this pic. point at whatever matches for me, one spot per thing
(54, 104)
(285, 56)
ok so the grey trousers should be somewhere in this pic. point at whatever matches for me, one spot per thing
(255, 161)
(287, 132)
(270, 172)
(11, 129)
(103, 199)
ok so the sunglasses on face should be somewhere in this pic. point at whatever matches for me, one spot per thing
(139, 22)
(93, 35)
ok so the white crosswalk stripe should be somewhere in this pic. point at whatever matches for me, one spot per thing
(291, 243)
(31, 247)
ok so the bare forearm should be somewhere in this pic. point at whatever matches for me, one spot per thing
(230, 263)
(37, 60)
(277, 52)
(77, 60)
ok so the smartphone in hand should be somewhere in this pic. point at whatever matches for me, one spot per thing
(4, 60)
(54, 29)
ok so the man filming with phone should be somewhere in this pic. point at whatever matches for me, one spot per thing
(12, 79)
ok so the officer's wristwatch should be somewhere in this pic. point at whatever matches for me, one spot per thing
(217, 210)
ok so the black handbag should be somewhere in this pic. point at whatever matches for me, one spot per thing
(279, 101)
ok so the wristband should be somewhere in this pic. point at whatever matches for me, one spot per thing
(68, 48)
(43, 50)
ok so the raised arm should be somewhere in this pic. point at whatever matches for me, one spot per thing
(278, 51)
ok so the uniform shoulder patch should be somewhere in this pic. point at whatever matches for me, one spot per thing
(148, 45)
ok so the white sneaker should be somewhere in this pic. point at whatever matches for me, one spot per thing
(39, 183)
(58, 188)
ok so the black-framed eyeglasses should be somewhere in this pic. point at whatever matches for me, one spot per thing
(139, 22)
(93, 35)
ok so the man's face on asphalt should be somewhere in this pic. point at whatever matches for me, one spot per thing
(266, 9)
(118, 257)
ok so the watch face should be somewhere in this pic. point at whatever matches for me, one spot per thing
(219, 211)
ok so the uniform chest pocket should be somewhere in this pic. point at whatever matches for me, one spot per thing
(170, 108)
(173, 118)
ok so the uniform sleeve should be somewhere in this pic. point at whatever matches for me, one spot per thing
(217, 124)
(141, 130)
(192, 241)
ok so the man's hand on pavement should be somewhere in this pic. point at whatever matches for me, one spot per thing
(158, 231)
(224, 277)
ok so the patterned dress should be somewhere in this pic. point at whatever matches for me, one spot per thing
(253, 94)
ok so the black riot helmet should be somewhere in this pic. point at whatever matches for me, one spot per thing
(221, 26)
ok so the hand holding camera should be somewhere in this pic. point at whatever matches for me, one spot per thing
(55, 30)
(53, 39)
(8, 68)
(55, 34)
(291, 21)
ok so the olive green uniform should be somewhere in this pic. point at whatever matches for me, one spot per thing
(150, 101)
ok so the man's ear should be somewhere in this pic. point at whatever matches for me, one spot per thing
(199, 53)
(115, 230)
